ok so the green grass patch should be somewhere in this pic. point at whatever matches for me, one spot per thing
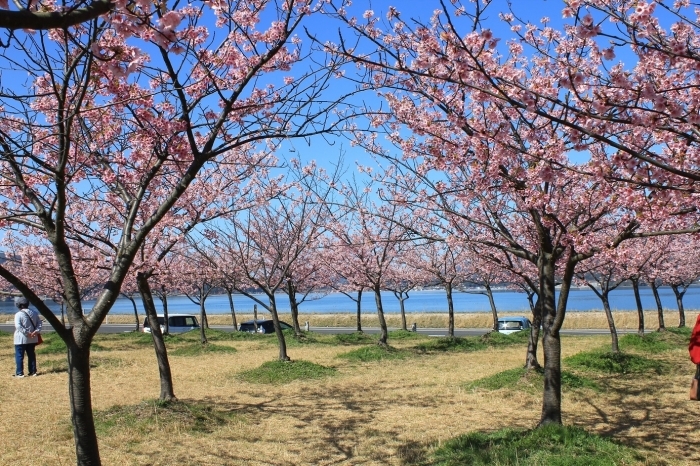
(681, 331)
(53, 344)
(551, 445)
(446, 344)
(305, 339)
(614, 363)
(355, 338)
(126, 340)
(517, 378)
(374, 353)
(281, 372)
(153, 416)
(198, 349)
(404, 335)
(655, 342)
(498, 339)
(530, 381)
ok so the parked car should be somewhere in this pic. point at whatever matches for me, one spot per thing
(177, 323)
(264, 326)
(508, 325)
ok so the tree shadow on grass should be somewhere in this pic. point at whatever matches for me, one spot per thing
(339, 426)
(645, 420)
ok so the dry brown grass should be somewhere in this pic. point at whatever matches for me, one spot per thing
(369, 414)
(574, 320)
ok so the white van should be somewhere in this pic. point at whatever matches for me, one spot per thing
(177, 323)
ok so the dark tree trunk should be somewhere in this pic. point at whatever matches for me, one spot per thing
(659, 306)
(202, 324)
(552, 318)
(531, 361)
(291, 292)
(615, 348)
(640, 309)
(384, 335)
(163, 296)
(255, 317)
(450, 311)
(492, 303)
(86, 446)
(359, 311)
(402, 307)
(603, 294)
(679, 301)
(233, 310)
(136, 312)
(283, 356)
(166, 320)
(167, 390)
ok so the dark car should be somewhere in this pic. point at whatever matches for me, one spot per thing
(177, 323)
(264, 326)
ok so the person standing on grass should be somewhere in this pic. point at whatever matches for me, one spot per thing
(27, 329)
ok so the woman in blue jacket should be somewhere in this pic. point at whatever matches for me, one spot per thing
(27, 329)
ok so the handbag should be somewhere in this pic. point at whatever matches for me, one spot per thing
(39, 339)
(694, 389)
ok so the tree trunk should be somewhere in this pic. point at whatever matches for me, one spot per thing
(291, 292)
(615, 348)
(166, 319)
(450, 311)
(359, 313)
(86, 446)
(403, 313)
(167, 390)
(659, 306)
(136, 313)
(531, 361)
(492, 303)
(255, 317)
(163, 296)
(640, 309)
(679, 301)
(604, 294)
(233, 310)
(283, 356)
(202, 323)
(551, 344)
(384, 335)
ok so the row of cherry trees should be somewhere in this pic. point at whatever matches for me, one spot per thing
(485, 134)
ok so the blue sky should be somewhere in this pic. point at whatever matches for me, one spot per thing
(421, 11)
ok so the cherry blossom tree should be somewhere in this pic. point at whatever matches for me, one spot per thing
(681, 269)
(477, 145)
(602, 275)
(106, 125)
(441, 260)
(376, 238)
(403, 277)
(343, 280)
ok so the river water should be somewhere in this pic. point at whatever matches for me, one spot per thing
(419, 301)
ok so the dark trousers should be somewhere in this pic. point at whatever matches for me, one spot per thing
(19, 358)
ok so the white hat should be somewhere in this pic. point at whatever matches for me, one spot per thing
(21, 301)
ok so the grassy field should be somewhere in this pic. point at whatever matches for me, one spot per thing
(345, 402)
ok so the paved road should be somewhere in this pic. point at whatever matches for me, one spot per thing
(437, 332)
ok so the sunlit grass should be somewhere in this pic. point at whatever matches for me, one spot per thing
(551, 445)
